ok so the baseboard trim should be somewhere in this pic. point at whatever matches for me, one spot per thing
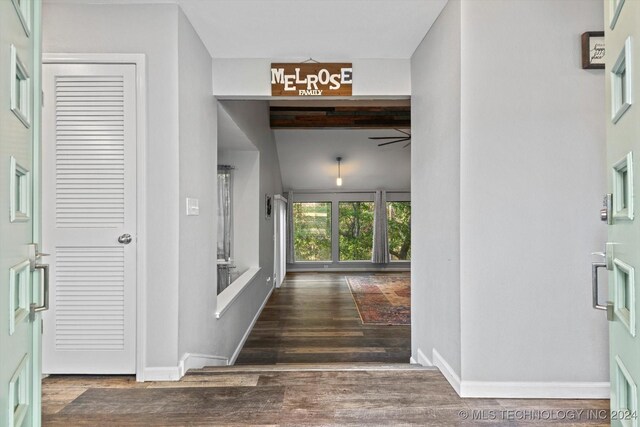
(198, 361)
(162, 373)
(236, 353)
(535, 390)
(422, 359)
(447, 370)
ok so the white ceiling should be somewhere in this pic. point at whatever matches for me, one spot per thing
(322, 29)
(299, 29)
(308, 160)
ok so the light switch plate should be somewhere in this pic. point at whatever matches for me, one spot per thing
(193, 207)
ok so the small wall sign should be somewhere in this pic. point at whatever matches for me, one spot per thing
(311, 79)
(593, 49)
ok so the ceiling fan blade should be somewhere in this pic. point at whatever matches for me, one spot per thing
(393, 142)
(407, 144)
(385, 137)
(406, 133)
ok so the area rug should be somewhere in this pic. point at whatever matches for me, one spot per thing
(382, 300)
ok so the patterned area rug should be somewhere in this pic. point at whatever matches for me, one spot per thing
(382, 300)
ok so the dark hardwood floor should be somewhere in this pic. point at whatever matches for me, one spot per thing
(312, 318)
(332, 395)
(309, 326)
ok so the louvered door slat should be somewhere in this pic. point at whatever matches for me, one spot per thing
(88, 300)
(96, 155)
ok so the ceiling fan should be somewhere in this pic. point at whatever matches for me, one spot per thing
(406, 136)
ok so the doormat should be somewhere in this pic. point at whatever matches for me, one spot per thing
(382, 300)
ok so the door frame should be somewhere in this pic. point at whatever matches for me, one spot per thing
(139, 60)
(276, 236)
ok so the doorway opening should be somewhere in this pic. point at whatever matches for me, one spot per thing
(341, 227)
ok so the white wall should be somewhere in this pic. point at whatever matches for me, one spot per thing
(152, 30)
(250, 78)
(246, 205)
(533, 176)
(197, 136)
(435, 180)
(531, 162)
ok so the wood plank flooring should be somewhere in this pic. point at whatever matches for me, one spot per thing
(312, 318)
(296, 395)
(308, 362)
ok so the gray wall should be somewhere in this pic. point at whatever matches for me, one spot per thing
(181, 162)
(435, 180)
(509, 132)
(197, 136)
(533, 176)
(152, 30)
(252, 117)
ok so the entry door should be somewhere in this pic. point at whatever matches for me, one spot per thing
(19, 324)
(89, 217)
(623, 248)
(280, 240)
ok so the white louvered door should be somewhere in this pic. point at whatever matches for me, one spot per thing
(89, 202)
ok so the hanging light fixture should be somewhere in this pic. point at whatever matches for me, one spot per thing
(339, 178)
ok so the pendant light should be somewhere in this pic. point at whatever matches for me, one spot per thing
(339, 178)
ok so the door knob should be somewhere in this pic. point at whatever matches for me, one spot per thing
(125, 239)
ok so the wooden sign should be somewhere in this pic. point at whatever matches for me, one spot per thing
(311, 79)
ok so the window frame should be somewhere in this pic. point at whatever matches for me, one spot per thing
(330, 233)
(335, 198)
(395, 261)
(338, 233)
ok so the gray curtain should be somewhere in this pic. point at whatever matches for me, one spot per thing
(290, 253)
(225, 211)
(380, 253)
(225, 225)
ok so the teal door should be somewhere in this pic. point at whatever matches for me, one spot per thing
(622, 71)
(20, 271)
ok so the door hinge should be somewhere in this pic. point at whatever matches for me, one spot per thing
(42, 326)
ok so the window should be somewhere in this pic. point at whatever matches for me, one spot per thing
(312, 231)
(356, 230)
(19, 284)
(621, 90)
(20, 195)
(399, 230)
(23, 9)
(623, 188)
(20, 89)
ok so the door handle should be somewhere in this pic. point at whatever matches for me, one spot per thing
(595, 284)
(44, 290)
(125, 239)
(34, 257)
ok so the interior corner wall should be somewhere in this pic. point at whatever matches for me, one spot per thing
(198, 174)
(435, 183)
(153, 31)
(532, 179)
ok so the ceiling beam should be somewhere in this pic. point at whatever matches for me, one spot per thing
(352, 117)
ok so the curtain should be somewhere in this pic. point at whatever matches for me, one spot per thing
(290, 253)
(225, 205)
(380, 253)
